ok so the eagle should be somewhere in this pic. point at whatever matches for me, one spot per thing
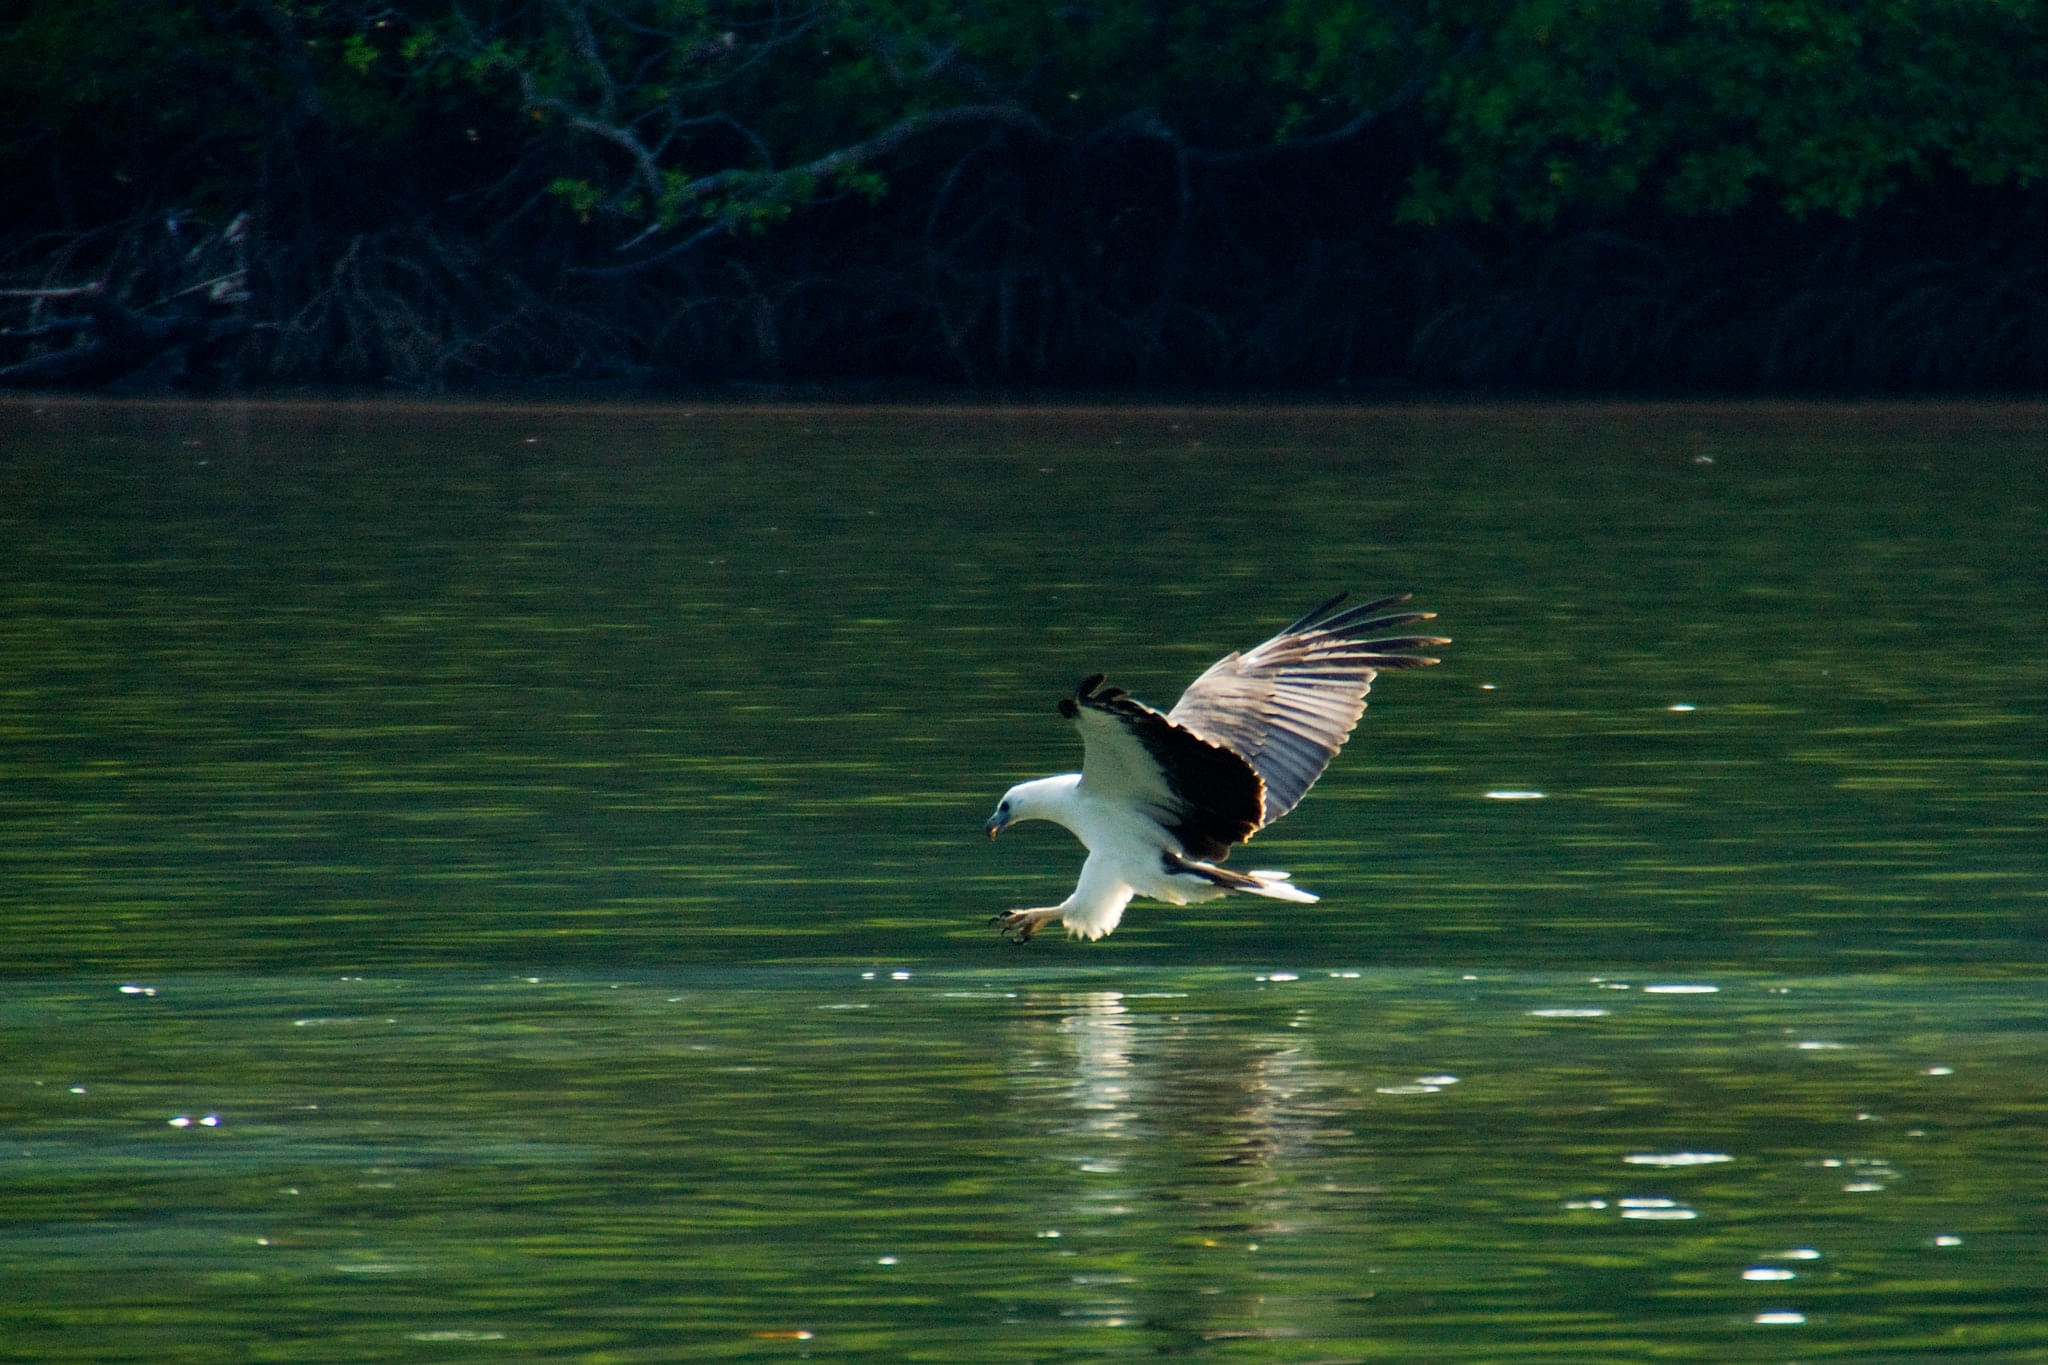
(1161, 798)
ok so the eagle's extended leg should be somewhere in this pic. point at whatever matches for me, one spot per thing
(1019, 925)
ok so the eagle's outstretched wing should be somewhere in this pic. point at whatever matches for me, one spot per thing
(1250, 736)
(1287, 706)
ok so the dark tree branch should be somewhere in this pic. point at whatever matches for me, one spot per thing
(53, 327)
(755, 188)
(663, 257)
(848, 159)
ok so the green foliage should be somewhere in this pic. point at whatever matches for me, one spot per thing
(657, 112)
(358, 54)
(199, 105)
(1577, 106)
(581, 196)
(868, 185)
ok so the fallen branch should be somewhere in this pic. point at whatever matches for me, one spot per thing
(113, 339)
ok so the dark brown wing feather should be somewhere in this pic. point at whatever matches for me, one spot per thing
(1203, 794)
(1287, 706)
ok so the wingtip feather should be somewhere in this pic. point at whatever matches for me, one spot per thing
(1310, 618)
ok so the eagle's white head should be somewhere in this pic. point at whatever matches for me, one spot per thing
(1045, 798)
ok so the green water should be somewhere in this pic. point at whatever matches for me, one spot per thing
(1024, 1165)
(546, 843)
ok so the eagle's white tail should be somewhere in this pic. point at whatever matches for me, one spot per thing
(1268, 882)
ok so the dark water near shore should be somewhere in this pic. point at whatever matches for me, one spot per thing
(546, 844)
